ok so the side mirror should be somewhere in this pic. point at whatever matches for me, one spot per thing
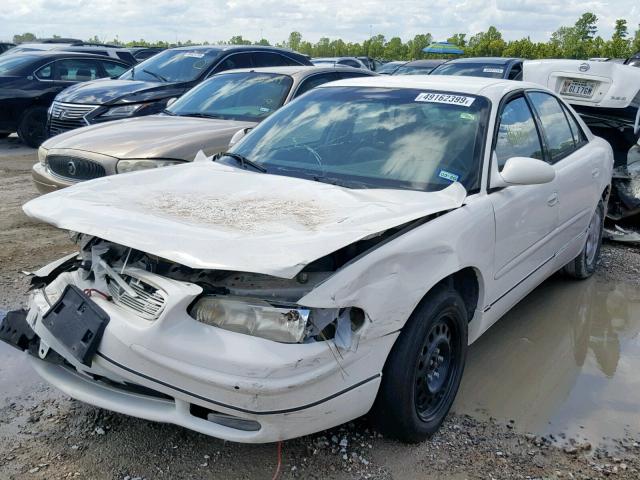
(239, 135)
(522, 171)
(171, 101)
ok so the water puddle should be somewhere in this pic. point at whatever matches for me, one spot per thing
(564, 360)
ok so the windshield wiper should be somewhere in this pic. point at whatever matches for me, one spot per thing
(339, 182)
(198, 115)
(244, 161)
(157, 75)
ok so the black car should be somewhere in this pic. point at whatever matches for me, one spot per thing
(142, 53)
(418, 67)
(5, 46)
(146, 88)
(492, 67)
(30, 81)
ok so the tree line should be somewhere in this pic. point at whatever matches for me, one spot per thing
(579, 41)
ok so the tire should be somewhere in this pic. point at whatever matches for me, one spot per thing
(413, 401)
(32, 128)
(4, 134)
(584, 265)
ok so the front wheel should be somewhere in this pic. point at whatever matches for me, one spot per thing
(32, 128)
(584, 265)
(424, 369)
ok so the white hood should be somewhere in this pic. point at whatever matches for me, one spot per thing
(212, 216)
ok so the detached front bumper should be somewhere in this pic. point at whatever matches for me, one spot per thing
(217, 382)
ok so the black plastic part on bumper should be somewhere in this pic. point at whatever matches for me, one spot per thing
(15, 331)
(77, 322)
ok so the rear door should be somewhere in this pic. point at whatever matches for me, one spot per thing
(575, 163)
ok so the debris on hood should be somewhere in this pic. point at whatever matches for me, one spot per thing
(212, 216)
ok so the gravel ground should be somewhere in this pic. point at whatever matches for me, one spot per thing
(44, 434)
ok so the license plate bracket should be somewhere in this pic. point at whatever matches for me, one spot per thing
(578, 88)
(77, 323)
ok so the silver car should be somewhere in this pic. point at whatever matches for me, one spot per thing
(205, 118)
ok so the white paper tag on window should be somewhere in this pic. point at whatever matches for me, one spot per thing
(446, 98)
(492, 70)
(194, 54)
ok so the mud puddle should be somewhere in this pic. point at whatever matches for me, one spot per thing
(565, 362)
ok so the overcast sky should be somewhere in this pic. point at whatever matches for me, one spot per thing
(351, 20)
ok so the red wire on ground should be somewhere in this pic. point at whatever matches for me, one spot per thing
(276, 475)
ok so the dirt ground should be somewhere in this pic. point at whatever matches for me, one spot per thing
(44, 434)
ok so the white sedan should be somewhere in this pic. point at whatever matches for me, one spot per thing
(340, 258)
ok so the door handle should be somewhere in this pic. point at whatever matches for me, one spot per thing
(553, 199)
(595, 173)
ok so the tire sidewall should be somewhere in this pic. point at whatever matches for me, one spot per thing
(397, 393)
(31, 138)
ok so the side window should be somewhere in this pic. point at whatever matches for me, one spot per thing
(578, 135)
(268, 59)
(555, 127)
(349, 63)
(237, 60)
(314, 81)
(289, 61)
(517, 133)
(516, 72)
(113, 69)
(76, 70)
(45, 73)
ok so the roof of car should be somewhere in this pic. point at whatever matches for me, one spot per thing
(62, 53)
(425, 63)
(444, 83)
(302, 70)
(231, 47)
(487, 60)
(332, 59)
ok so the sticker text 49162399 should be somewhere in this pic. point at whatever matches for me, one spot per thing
(446, 98)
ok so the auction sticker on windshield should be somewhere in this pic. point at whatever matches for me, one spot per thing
(493, 70)
(194, 54)
(445, 98)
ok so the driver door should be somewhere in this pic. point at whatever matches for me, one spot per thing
(525, 215)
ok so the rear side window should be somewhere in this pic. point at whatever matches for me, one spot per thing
(517, 133)
(271, 59)
(45, 73)
(314, 81)
(76, 70)
(238, 60)
(349, 63)
(113, 69)
(578, 135)
(555, 126)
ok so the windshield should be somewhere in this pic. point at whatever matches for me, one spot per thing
(246, 96)
(366, 137)
(471, 70)
(414, 70)
(11, 64)
(173, 66)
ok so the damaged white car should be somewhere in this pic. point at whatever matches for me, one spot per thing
(341, 257)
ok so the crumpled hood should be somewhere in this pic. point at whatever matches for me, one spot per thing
(212, 216)
(153, 136)
(106, 91)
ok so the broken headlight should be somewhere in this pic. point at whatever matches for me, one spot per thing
(252, 317)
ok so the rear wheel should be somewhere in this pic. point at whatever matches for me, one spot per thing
(584, 265)
(423, 371)
(32, 126)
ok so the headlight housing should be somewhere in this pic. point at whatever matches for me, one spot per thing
(42, 155)
(252, 317)
(122, 111)
(134, 165)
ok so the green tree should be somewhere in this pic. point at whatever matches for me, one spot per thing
(620, 45)
(585, 27)
(24, 38)
(395, 49)
(238, 40)
(635, 45)
(294, 40)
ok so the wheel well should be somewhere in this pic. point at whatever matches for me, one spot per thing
(605, 195)
(466, 283)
